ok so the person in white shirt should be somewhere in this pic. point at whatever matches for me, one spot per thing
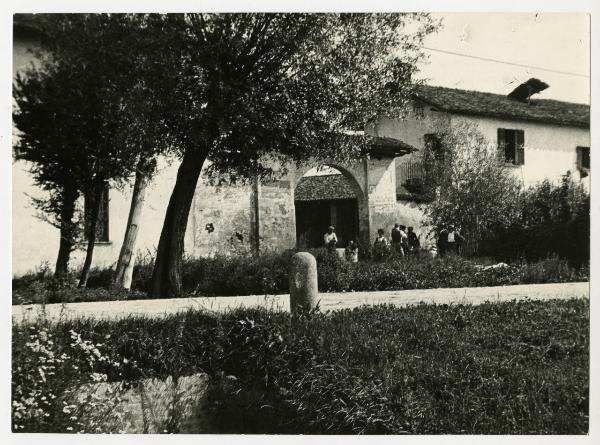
(330, 238)
(403, 240)
(453, 241)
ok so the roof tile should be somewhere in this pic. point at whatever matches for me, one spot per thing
(496, 105)
(324, 187)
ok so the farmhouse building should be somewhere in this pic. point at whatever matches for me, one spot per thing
(541, 139)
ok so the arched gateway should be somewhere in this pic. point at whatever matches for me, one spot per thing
(329, 196)
(295, 210)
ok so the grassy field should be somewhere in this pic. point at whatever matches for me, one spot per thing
(496, 368)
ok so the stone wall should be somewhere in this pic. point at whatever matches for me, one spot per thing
(277, 220)
(382, 195)
(220, 220)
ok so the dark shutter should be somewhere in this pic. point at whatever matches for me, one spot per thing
(501, 145)
(519, 147)
(585, 157)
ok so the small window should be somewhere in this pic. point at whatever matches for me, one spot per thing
(102, 225)
(433, 143)
(511, 146)
(583, 158)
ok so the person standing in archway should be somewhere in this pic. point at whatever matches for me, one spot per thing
(330, 238)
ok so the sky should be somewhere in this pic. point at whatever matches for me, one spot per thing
(557, 41)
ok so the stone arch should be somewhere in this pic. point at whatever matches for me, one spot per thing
(354, 176)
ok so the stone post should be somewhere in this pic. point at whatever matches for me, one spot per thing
(304, 291)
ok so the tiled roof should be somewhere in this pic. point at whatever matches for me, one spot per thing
(496, 105)
(389, 147)
(321, 187)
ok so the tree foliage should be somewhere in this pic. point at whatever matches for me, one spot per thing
(251, 91)
(244, 91)
(552, 219)
(466, 184)
(253, 87)
(78, 111)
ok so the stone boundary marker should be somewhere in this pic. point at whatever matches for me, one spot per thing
(111, 310)
(304, 290)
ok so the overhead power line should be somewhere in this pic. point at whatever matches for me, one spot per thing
(487, 59)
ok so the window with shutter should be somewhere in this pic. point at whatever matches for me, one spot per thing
(583, 158)
(519, 147)
(511, 146)
(501, 144)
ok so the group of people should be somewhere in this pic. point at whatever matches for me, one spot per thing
(403, 241)
(449, 241)
(330, 240)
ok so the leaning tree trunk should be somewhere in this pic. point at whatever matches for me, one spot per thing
(91, 235)
(67, 236)
(166, 277)
(126, 260)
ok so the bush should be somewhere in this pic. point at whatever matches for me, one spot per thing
(467, 185)
(553, 220)
(268, 274)
(497, 368)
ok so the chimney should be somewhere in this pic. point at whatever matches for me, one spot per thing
(524, 91)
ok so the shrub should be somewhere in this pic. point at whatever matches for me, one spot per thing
(467, 185)
(268, 274)
(552, 220)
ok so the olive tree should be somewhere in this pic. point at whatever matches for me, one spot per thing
(467, 184)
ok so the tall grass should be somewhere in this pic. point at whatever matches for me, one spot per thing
(497, 368)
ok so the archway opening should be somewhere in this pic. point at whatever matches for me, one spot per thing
(326, 196)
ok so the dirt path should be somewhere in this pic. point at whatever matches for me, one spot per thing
(329, 301)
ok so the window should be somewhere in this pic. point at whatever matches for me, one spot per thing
(102, 225)
(511, 146)
(583, 158)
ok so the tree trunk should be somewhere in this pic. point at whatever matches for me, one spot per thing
(166, 277)
(67, 235)
(91, 235)
(126, 260)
